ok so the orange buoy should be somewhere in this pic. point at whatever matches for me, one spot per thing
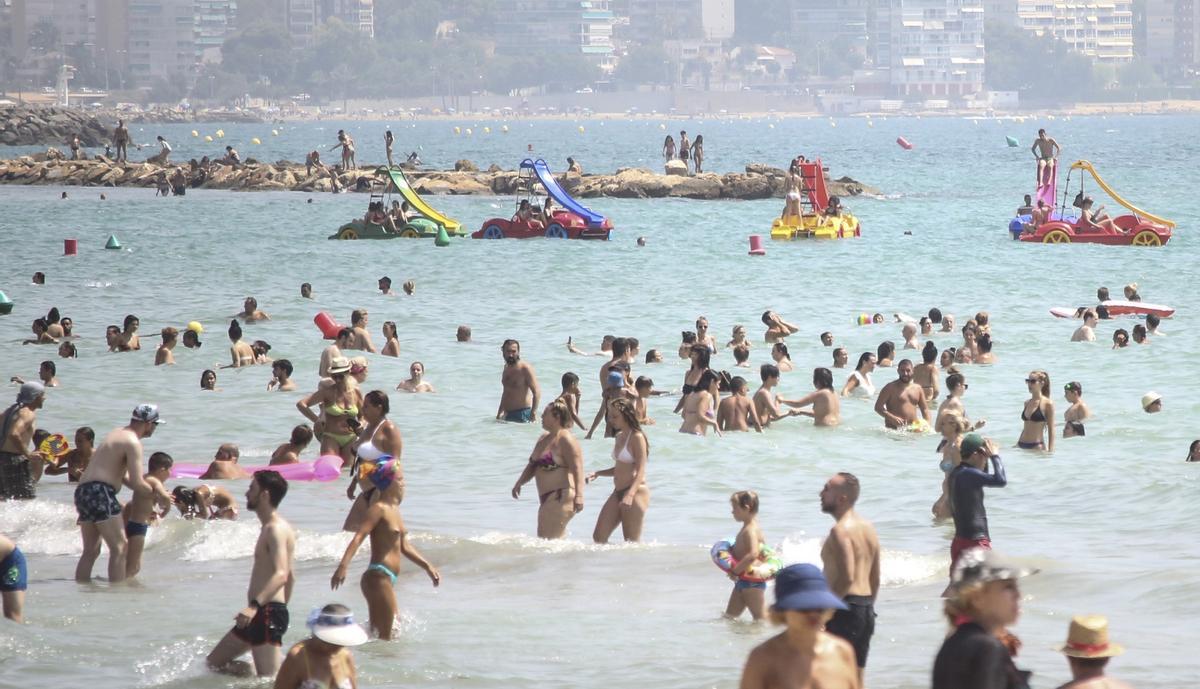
(756, 245)
(328, 327)
(903, 142)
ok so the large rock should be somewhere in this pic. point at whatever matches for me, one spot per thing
(465, 166)
(700, 187)
(676, 167)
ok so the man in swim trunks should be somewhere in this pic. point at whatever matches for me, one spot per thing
(141, 510)
(20, 466)
(224, 464)
(259, 627)
(900, 401)
(967, 481)
(519, 385)
(1046, 150)
(121, 141)
(14, 579)
(116, 462)
(850, 559)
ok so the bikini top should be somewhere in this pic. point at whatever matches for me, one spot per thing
(1036, 416)
(318, 684)
(367, 451)
(546, 461)
(624, 456)
(335, 410)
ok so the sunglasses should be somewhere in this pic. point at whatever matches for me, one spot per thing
(1031, 380)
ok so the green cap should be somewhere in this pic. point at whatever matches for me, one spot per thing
(971, 443)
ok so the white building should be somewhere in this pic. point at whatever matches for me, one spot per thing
(566, 27)
(162, 39)
(1101, 29)
(1169, 36)
(932, 49)
(652, 21)
(214, 22)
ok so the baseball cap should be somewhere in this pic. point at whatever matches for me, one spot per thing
(803, 587)
(147, 413)
(971, 443)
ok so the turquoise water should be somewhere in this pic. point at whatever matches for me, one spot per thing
(1107, 517)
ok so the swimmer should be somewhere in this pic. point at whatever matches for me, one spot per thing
(1075, 414)
(956, 387)
(781, 357)
(306, 291)
(736, 412)
(983, 346)
(340, 404)
(519, 387)
(385, 282)
(39, 278)
(699, 407)
(1152, 322)
(777, 328)
(702, 335)
(926, 326)
(926, 373)
(240, 353)
(747, 551)
(463, 334)
(163, 355)
(281, 376)
(630, 499)
(885, 353)
(741, 357)
(850, 563)
(859, 384)
(345, 337)
(191, 339)
(654, 357)
(641, 241)
(250, 312)
(67, 350)
(570, 396)
(1131, 292)
(1139, 334)
(261, 348)
(144, 508)
(289, 452)
(1193, 454)
(40, 336)
(766, 400)
(1120, 338)
(54, 326)
(901, 402)
(47, 375)
(622, 357)
(826, 407)
(1037, 414)
(225, 464)
(701, 357)
(605, 347)
(1087, 331)
(827, 339)
(909, 333)
(208, 380)
(416, 380)
(739, 338)
(361, 339)
(391, 342)
(1152, 403)
(389, 541)
(877, 319)
(556, 465)
(324, 659)
(947, 323)
(410, 286)
(840, 357)
(804, 654)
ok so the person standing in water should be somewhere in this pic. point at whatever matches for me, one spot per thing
(630, 497)
(1088, 651)
(901, 402)
(520, 392)
(259, 627)
(389, 540)
(1077, 413)
(747, 550)
(324, 659)
(145, 508)
(557, 465)
(1037, 414)
(20, 466)
(967, 481)
(850, 558)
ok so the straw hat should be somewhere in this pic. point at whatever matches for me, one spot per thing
(339, 364)
(1150, 398)
(1088, 638)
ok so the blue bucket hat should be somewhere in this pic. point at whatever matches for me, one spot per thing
(803, 587)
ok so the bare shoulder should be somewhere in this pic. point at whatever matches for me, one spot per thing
(836, 647)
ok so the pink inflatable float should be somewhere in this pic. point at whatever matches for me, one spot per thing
(324, 468)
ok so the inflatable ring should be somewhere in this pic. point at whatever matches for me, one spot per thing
(765, 569)
(54, 447)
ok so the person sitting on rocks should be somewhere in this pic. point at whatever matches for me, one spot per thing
(164, 150)
(231, 157)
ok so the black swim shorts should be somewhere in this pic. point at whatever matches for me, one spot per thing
(269, 625)
(856, 625)
(96, 501)
(16, 483)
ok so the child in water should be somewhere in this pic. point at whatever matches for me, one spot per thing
(570, 395)
(747, 550)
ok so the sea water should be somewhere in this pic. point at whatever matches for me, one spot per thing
(1107, 518)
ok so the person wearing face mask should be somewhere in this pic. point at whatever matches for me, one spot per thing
(520, 395)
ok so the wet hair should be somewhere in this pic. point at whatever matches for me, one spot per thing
(823, 378)
(699, 319)
(705, 354)
(745, 499)
(49, 366)
(633, 343)
(1191, 449)
(260, 347)
(1152, 320)
(620, 346)
(169, 334)
(305, 287)
(842, 350)
(252, 303)
(356, 316)
(984, 342)
(886, 350)
(273, 483)
(935, 315)
(643, 383)
(345, 333)
(826, 333)
(782, 349)
(87, 433)
(1120, 331)
(283, 364)
(385, 278)
(52, 315)
(511, 341)
(159, 460)
(862, 360)
(767, 371)
(204, 375)
(188, 501)
(652, 355)
(1102, 294)
(39, 324)
(569, 379)
(1045, 378)
(379, 398)
(301, 435)
(1102, 312)
(130, 319)
(1074, 387)
(766, 318)
(1041, 132)
(191, 335)
(741, 353)
(929, 352)
(738, 383)
(1088, 313)
(463, 334)
(954, 380)
(391, 325)
(235, 331)
(1139, 332)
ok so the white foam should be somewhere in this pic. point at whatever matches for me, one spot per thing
(233, 540)
(897, 567)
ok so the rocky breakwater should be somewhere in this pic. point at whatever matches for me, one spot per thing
(757, 182)
(31, 126)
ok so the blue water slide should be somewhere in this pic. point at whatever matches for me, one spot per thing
(560, 195)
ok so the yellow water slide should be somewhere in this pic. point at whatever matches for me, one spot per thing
(418, 204)
(1087, 167)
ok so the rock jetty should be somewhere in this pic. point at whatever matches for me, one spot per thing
(25, 126)
(757, 182)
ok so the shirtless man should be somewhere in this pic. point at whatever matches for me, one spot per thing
(900, 401)
(20, 466)
(163, 355)
(250, 311)
(281, 376)
(909, 332)
(1046, 150)
(520, 394)
(1087, 331)
(144, 508)
(116, 462)
(804, 656)
(385, 286)
(361, 339)
(736, 412)
(777, 328)
(850, 558)
(826, 407)
(766, 402)
(259, 627)
(121, 141)
(344, 337)
(224, 464)
(620, 356)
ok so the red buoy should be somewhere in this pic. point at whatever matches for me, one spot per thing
(328, 327)
(70, 247)
(903, 142)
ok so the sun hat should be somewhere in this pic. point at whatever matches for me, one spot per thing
(803, 587)
(338, 629)
(980, 566)
(147, 413)
(1150, 398)
(339, 364)
(29, 392)
(971, 443)
(1087, 637)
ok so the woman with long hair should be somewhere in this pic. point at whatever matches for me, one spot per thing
(701, 357)
(630, 499)
(698, 152)
(391, 346)
(380, 437)
(556, 465)
(1037, 433)
(859, 384)
(240, 353)
(699, 408)
(341, 403)
(783, 360)
(668, 149)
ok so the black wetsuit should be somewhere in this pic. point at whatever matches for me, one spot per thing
(971, 658)
(966, 498)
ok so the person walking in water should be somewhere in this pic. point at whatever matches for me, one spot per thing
(519, 384)
(850, 558)
(967, 481)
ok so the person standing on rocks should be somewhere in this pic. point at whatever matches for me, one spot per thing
(669, 148)
(121, 141)
(73, 142)
(698, 153)
(685, 148)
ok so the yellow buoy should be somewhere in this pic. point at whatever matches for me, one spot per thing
(208, 138)
(195, 133)
(195, 327)
(255, 140)
(487, 130)
(581, 129)
(220, 133)
(457, 130)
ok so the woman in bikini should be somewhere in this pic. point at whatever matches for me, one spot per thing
(669, 148)
(240, 353)
(926, 373)
(1037, 414)
(698, 153)
(129, 340)
(324, 661)
(556, 466)
(1075, 414)
(380, 438)
(630, 498)
(795, 184)
(700, 355)
(699, 407)
(389, 541)
(391, 343)
(340, 403)
(859, 384)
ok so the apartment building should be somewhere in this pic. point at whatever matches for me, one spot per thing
(162, 39)
(1100, 29)
(568, 27)
(215, 20)
(1169, 36)
(835, 23)
(931, 49)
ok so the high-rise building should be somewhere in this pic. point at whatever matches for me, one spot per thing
(303, 18)
(1000, 12)
(73, 19)
(652, 21)
(215, 21)
(566, 27)
(357, 14)
(1101, 29)
(1168, 36)
(162, 39)
(931, 49)
(840, 25)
